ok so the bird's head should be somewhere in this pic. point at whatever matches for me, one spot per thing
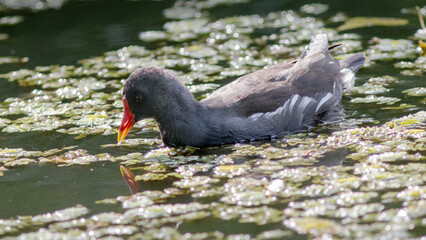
(147, 93)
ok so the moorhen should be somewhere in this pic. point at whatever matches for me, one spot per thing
(266, 104)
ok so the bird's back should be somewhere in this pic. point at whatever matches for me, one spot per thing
(316, 71)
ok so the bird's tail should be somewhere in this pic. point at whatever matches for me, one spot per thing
(353, 62)
(349, 66)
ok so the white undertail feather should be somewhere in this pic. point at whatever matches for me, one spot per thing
(347, 77)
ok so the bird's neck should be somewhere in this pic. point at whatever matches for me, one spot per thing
(187, 122)
(183, 121)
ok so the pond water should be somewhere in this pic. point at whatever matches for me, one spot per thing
(62, 69)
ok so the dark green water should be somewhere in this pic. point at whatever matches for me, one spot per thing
(85, 29)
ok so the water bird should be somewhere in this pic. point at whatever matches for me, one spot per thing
(266, 104)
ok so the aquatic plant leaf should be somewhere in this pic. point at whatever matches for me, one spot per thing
(314, 8)
(273, 234)
(181, 13)
(314, 226)
(417, 91)
(191, 25)
(11, 20)
(375, 99)
(361, 22)
(61, 215)
(33, 5)
(136, 201)
(152, 36)
(390, 49)
(368, 88)
(384, 80)
(11, 60)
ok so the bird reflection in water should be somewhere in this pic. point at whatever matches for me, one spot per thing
(129, 178)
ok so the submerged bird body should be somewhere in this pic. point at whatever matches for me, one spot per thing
(265, 104)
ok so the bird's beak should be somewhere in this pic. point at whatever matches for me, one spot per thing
(126, 123)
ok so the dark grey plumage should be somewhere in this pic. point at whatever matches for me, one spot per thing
(268, 103)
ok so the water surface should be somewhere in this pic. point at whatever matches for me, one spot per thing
(362, 177)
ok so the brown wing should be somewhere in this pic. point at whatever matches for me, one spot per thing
(267, 89)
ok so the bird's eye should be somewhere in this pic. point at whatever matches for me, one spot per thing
(139, 98)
